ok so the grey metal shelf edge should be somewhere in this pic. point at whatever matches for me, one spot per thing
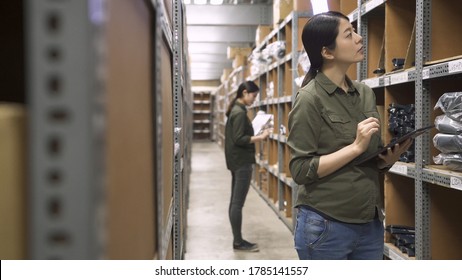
(438, 70)
(74, 126)
(430, 174)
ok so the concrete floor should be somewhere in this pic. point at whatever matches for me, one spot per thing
(208, 232)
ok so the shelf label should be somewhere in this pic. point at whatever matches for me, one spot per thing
(426, 74)
(456, 183)
(373, 83)
(399, 78)
(399, 168)
(386, 81)
(455, 66)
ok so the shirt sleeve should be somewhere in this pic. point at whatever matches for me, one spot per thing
(304, 130)
(239, 123)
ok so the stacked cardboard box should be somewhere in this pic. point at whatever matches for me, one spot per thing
(232, 52)
(261, 33)
(12, 181)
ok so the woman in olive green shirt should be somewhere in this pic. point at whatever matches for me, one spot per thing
(333, 122)
(240, 157)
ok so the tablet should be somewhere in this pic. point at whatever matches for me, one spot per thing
(413, 134)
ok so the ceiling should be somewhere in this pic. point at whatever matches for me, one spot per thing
(212, 28)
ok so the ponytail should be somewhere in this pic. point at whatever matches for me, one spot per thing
(309, 76)
(230, 106)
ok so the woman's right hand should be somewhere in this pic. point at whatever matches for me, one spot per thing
(364, 132)
(265, 134)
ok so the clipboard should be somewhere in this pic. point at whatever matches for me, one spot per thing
(260, 121)
(410, 135)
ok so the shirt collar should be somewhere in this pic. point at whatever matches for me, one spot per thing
(241, 105)
(329, 86)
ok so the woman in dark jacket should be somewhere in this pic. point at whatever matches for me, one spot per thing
(240, 157)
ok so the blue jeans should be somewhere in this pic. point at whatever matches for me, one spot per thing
(317, 238)
(239, 188)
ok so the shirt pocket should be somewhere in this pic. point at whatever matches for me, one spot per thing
(343, 127)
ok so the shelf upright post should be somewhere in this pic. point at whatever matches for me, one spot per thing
(422, 144)
(65, 91)
(158, 35)
(177, 124)
(362, 31)
(281, 36)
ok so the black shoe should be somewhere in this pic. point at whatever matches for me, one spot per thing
(246, 246)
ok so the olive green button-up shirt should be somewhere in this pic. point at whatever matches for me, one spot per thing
(238, 131)
(323, 120)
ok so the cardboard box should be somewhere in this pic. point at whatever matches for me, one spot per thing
(12, 182)
(225, 75)
(239, 60)
(261, 33)
(281, 9)
(233, 51)
(302, 5)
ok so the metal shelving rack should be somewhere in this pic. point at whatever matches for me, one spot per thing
(422, 175)
(181, 113)
(65, 89)
(202, 118)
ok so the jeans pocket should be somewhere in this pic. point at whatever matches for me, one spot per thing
(316, 229)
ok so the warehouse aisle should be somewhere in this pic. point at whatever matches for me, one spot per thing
(208, 233)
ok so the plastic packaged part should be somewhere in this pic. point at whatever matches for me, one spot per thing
(444, 124)
(282, 130)
(451, 161)
(270, 89)
(299, 81)
(451, 104)
(379, 71)
(277, 49)
(304, 62)
(448, 143)
(398, 63)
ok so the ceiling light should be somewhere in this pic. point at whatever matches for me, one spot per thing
(216, 2)
(319, 6)
(200, 2)
(187, 2)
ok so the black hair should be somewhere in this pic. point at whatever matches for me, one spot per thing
(320, 31)
(249, 86)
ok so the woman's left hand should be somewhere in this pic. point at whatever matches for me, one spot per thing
(392, 155)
